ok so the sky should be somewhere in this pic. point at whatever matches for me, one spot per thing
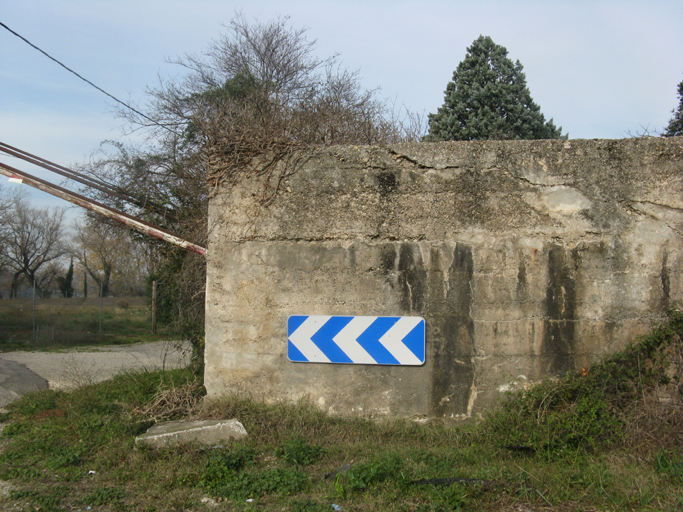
(599, 68)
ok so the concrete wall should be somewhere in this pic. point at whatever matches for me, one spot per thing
(526, 259)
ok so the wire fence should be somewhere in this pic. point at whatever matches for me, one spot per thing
(35, 321)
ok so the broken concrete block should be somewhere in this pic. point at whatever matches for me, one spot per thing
(208, 432)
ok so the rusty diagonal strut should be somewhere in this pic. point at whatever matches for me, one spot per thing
(88, 181)
(91, 204)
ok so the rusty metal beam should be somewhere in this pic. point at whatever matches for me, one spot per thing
(92, 205)
(88, 181)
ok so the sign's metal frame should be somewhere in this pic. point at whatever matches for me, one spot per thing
(372, 340)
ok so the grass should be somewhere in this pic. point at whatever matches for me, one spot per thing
(76, 322)
(598, 440)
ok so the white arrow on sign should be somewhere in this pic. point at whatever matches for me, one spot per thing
(302, 338)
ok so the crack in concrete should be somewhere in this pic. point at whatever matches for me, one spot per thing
(401, 156)
(629, 205)
(666, 206)
(533, 183)
(405, 158)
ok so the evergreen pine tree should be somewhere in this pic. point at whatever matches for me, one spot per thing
(675, 126)
(488, 99)
(66, 283)
(68, 280)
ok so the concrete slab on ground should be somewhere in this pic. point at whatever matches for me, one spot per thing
(209, 432)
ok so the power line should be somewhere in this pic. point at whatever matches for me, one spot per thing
(84, 79)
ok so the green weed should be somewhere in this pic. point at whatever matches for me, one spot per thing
(454, 497)
(37, 402)
(306, 505)
(282, 481)
(104, 496)
(670, 464)
(15, 429)
(557, 417)
(299, 452)
(64, 457)
(366, 474)
(47, 500)
(224, 476)
(224, 466)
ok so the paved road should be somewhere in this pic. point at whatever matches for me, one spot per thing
(21, 372)
(16, 379)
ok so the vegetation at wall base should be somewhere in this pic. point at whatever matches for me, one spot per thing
(598, 440)
(599, 407)
(180, 306)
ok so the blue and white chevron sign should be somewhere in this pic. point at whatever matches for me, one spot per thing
(387, 340)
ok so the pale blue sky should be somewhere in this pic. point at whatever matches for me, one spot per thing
(600, 68)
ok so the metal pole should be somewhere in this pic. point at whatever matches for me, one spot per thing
(92, 205)
(154, 307)
(34, 309)
(86, 180)
(100, 308)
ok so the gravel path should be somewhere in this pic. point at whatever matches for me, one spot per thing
(68, 369)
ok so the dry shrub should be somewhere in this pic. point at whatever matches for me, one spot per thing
(173, 402)
(123, 304)
(633, 398)
(656, 419)
(272, 422)
(656, 426)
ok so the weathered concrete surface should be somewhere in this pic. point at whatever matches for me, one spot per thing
(209, 432)
(526, 258)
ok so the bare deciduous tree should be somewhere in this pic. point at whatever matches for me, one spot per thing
(102, 249)
(5, 204)
(7, 199)
(33, 238)
(47, 277)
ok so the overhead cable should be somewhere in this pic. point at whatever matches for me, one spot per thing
(85, 79)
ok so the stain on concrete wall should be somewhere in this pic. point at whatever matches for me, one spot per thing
(560, 313)
(412, 279)
(451, 330)
(526, 258)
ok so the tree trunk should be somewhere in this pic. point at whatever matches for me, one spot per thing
(14, 290)
(105, 281)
